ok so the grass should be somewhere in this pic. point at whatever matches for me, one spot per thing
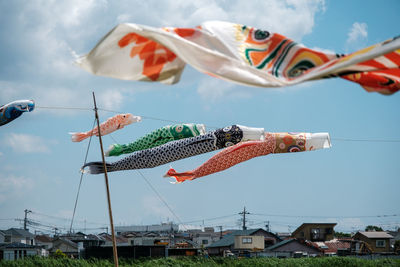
(199, 261)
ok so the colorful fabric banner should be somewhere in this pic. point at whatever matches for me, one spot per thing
(273, 143)
(236, 53)
(157, 138)
(13, 110)
(110, 125)
(177, 150)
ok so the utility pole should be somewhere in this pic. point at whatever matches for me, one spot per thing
(267, 226)
(244, 212)
(220, 231)
(26, 218)
(114, 242)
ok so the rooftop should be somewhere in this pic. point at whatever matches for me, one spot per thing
(376, 234)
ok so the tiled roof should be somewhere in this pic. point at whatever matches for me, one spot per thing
(43, 238)
(333, 245)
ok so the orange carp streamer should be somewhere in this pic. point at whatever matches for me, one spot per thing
(273, 143)
(112, 124)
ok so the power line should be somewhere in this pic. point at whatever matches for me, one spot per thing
(80, 181)
(160, 197)
(330, 216)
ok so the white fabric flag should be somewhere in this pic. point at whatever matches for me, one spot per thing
(236, 53)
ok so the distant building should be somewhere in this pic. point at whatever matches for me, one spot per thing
(66, 246)
(315, 232)
(14, 251)
(227, 243)
(45, 242)
(16, 235)
(292, 248)
(203, 239)
(163, 228)
(376, 241)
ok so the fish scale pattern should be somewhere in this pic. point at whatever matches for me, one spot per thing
(173, 151)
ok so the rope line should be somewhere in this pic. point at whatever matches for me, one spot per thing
(214, 127)
(80, 182)
(161, 198)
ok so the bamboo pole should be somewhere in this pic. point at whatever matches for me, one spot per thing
(115, 254)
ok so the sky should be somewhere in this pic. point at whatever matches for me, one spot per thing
(354, 183)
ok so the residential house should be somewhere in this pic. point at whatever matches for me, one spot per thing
(14, 251)
(66, 246)
(45, 242)
(159, 228)
(2, 236)
(292, 248)
(396, 237)
(84, 240)
(205, 238)
(376, 241)
(107, 238)
(227, 243)
(245, 244)
(315, 232)
(16, 235)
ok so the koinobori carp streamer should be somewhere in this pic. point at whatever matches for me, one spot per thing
(158, 137)
(237, 53)
(13, 110)
(273, 143)
(110, 125)
(180, 149)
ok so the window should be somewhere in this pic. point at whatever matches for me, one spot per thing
(7, 239)
(380, 243)
(204, 241)
(315, 234)
(247, 240)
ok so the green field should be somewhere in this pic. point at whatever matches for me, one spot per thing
(193, 261)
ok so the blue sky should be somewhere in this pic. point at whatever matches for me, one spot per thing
(350, 184)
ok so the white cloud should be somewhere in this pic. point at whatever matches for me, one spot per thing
(52, 33)
(110, 99)
(213, 90)
(13, 187)
(155, 208)
(25, 143)
(357, 33)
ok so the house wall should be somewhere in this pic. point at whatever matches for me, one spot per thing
(13, 254)
(326, 232)
(372, 243)
(256, 242)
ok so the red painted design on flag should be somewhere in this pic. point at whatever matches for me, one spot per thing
(155, 55)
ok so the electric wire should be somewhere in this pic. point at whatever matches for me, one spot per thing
(80, 181)
(161, 198)
(215, 127)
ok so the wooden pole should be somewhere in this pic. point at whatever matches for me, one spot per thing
(107, 187)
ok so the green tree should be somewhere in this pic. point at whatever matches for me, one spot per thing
(341, 234)
(59, 254)
(373, 228)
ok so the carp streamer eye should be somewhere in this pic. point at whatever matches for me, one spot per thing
(179, 128)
